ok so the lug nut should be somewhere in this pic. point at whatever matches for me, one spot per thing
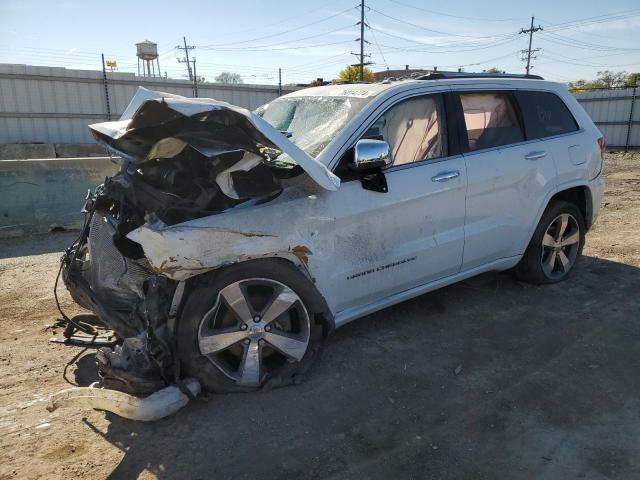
(247, 341)
(256, 319)
(243, 327)
(267, 328)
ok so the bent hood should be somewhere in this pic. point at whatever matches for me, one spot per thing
(161, 125)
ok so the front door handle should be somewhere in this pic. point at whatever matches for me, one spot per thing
(535, 155)
(445, 176)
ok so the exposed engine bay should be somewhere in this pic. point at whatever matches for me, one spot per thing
(188, 186)
(182, 159)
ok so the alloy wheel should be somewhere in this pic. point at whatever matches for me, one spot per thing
(255, 326)
(560, 246)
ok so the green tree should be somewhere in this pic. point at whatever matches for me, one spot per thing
(607, 79)
(610, 79)
(632, 80)
(352, 74)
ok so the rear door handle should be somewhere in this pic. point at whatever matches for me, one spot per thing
(535, 155)
(445, 176)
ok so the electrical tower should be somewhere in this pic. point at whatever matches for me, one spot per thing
(529, 51)
(185, 59)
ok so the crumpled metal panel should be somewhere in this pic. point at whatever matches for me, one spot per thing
(207, 125)
(113, 277)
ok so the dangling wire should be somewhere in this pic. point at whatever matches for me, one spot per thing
(65, 320)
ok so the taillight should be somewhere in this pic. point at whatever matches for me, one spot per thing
(603, 145)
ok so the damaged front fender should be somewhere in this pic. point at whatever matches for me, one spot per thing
(182, 251)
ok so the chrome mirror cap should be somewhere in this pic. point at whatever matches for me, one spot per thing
(371, 154)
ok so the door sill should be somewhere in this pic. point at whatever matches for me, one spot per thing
(345, 316)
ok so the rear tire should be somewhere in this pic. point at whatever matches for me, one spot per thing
(274, 346)
(555, 247)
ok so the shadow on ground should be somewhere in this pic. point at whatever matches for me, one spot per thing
(492, 378)
(37, 244)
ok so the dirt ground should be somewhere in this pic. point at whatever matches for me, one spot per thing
(490, 378)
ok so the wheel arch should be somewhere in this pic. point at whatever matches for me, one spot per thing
(580, 196)
(295, 259)
(577, 193)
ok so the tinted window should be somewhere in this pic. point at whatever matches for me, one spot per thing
(545, 115)
(490, 120)
(413, 129)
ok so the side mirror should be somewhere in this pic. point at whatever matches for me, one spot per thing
(371, 154)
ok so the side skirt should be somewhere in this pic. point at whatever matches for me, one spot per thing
(350, 314)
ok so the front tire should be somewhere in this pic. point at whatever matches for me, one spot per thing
(252, 325)
(555, 247)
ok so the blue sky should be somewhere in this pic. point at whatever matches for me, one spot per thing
(313, 39)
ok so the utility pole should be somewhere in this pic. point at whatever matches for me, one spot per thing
(279, 82)
(106, 89)
(186, 60)
(530, 31)
(195, 79)
(362, 40)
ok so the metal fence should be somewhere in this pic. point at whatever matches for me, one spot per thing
(616, 113)
(55, 105)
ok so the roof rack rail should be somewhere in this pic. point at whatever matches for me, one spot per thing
(441, 75)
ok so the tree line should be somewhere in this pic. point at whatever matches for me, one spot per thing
(607, 79)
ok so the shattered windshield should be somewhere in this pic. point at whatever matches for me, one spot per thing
(311, 122)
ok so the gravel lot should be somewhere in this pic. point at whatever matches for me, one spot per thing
(490, 379)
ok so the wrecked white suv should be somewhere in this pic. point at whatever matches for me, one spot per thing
(231, 243)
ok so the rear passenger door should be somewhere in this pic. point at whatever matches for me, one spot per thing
(547, 118)
(508, 176)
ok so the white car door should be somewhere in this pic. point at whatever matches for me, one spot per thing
(384, 243)
(508, 178)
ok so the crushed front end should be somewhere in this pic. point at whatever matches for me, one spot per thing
(182, 159)
(127, 297)
(108, 273)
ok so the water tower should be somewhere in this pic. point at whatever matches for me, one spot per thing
(147, 51)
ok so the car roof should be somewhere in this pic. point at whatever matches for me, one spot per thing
(365, 90)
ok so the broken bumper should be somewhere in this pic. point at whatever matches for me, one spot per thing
(101, 279)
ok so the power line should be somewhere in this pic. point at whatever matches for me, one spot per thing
(437, 31)
(281, 21)
(278, 43)
(416, 49)
(456, 16)
(593, 20)
(576, 62)
(474, 45)
(482, 62)
(280, 33)
(562, 40)
(375, 40)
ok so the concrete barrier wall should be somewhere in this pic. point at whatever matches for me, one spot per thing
(38, 194)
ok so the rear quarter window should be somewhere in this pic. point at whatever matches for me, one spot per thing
(545, 115)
